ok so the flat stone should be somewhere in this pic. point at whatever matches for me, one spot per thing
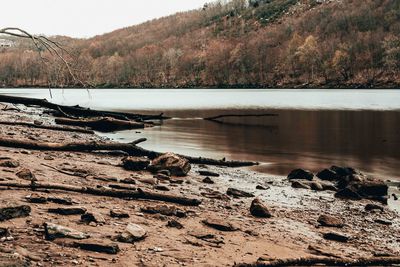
(100, 246)
(35, 198)
(330, 221)
(53, 231)
(92, 217)
(220, 224)
(118, 214)
(135, 163)
(384, 222)
(261, 187)
(161, 188)
(300, 185)
(208, 180)
(68, 211)
(301, 175)
(238, 193)
(61, 200)
(336, 237)
(14, 211)
(132, 233)
(259, 209)
(174, 224)
(208, 173)
(348, 193)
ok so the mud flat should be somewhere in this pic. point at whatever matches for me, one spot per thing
(56, 226)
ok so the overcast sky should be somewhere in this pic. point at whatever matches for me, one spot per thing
(86, 18)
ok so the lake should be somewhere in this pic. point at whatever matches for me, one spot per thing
(314, 129)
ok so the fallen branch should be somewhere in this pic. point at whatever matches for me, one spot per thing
(102, 125)
(124, 194)
(129, 148)
(312, 261)
(217, 118)
(77, 110)
(48, 127)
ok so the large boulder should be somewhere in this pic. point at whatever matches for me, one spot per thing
(300, 174)
(177, 165)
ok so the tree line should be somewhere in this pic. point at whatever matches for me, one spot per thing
(276, 43)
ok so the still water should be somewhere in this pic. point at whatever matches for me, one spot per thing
(315, 128)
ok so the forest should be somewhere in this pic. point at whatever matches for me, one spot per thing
(236, 44)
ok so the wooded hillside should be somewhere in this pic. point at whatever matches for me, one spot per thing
(240, 43)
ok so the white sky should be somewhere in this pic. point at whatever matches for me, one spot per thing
(86, 18)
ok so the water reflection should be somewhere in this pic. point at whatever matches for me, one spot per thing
(368, 140)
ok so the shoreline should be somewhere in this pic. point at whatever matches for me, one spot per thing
(291, 232)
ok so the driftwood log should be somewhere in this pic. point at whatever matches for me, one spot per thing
(219, 117)
(103, 124)
(129, 148)
(124, 194)
(312, 261)
(77, 110)
(48, 127)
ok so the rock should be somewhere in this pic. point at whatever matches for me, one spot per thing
(164, 172)
(174, 224)
(238, 193)
(336, 237)
(371, 188)
(98, 246)
(215, 195)
(300, 174)
(316, 186)
(14, 211)
(150, 181)
(208, 173)
(92, 217)
(220, 224)
(118, 214)
(207, 237)
(298, 184)
(135, 163)
(348, 193)
(162, 177)
(395, 197)
(68, 211)
(330, 221)
(208, 180)
(53, 231)
(26, 174)
(328, 186)
(384, 222)
(9, 163)
(35, 198)
(343, 171)
(132, 233)
(260, 187)
(164, 210)
(327, 174)
(128, 180)
(61, 200)
(177, 165)
(259, 209)
(370, 207)
(4, 232)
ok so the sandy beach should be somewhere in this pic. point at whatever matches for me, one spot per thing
(221, 231)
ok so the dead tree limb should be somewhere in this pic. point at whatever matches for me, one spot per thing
(48, 127)
(217, 118)
(312, 261)
(103, 125)
(129, 148)
(124, 194)
(79, 111)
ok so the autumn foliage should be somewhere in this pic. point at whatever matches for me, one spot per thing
(276, 43)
